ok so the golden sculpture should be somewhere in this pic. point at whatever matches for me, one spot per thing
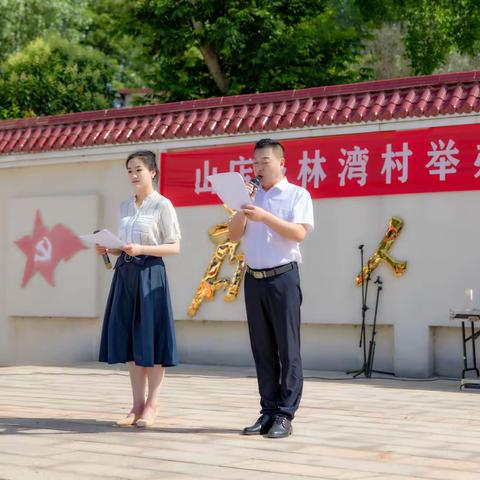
(225, 249)
(381, 253)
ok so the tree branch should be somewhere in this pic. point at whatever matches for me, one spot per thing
(211, 58)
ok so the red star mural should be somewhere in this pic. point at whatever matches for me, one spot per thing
(45, 248)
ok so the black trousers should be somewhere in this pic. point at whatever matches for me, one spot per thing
(273, 313)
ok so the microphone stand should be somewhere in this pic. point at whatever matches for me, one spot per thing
(371, 347)
(365, 282)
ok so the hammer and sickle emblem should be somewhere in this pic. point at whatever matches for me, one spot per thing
(381, 253)
(43, 250)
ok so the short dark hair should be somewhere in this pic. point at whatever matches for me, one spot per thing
(148, 159)
(277, 147)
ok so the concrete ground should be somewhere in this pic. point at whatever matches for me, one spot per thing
(56, 423)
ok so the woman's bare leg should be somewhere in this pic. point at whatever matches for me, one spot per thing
(155, 377)
(138, 379)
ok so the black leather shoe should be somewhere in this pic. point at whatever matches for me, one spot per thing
(281, 428)
(261, 426)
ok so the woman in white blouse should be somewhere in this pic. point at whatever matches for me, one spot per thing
(138, 326)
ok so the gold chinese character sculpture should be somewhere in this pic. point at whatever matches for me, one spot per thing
(225, 249)
(381, 253)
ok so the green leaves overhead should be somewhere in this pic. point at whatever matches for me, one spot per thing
(22, 21)
(433, 29)
(256, 45)
(61, 56)
(52, 76)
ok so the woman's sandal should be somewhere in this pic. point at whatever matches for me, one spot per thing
(128, 421)
(146, 422)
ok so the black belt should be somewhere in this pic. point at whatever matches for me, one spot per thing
(271, 272)
(138, 260)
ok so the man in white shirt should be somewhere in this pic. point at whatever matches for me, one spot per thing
(272, 228)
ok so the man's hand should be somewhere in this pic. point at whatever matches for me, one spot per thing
(251, 189)
(288, 230)
(132, 249)
(256, 214)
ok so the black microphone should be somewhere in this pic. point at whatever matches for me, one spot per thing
(106, 258)
(255, 183)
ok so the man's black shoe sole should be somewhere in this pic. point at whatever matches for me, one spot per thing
(279, 436)
(254, 433)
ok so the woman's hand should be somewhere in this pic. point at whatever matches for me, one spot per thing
(101, 250)
(133, 249)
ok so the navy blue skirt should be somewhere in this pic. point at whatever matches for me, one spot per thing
(138, 325)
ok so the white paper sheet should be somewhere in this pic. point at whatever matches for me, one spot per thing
(231, 189)
(104, 237)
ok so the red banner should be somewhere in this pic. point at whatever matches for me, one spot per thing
(385, 163)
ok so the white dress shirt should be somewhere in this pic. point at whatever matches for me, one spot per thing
(263, 247)
(153, 223)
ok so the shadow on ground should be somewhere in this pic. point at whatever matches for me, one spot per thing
(14, 426)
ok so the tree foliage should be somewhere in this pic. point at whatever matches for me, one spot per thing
(22, 21)
(433, 29)
(60, 56)
(200, 48)
(53, 76)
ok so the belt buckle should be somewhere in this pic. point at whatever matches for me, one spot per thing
(128, 258)
(259, 275)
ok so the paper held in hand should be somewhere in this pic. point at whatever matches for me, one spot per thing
(104, 237)
(231, 189)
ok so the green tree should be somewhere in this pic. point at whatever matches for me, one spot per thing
(202, 48)
(61, 56)
(22, 21)
(385, 53)
(54, 76)
(105, 32)
(432, 29)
